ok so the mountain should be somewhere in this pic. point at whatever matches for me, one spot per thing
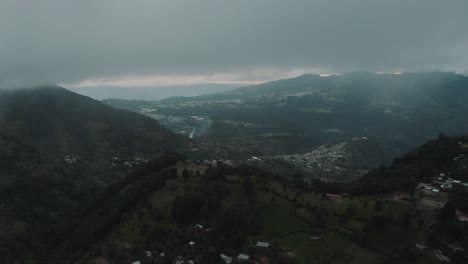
(151, 93)
(59, 149)
(296, 116)
(58, 152)
(62, 123)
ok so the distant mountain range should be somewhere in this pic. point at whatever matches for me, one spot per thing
(295, 116)
(151, 93)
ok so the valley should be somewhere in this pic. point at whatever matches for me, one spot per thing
(305, 115)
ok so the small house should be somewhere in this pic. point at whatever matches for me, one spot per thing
(420, 246)
(226, 259)
(462, 216)
(316, 237)
(332, 196)
(179, 260)
(243, 257)
(263, 244)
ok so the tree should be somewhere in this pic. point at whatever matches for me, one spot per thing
(185, 174)
(240, 220)
(447, 212)
(187, 208)
(420, 223)
(351, 210)
(378, 206)
(248, 187)
(406, 219)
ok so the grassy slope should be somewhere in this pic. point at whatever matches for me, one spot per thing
(291, 223)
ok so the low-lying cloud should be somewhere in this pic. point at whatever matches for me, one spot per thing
(76, 42)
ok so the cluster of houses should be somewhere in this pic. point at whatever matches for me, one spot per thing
(152, 257)
(253, 158)
(441, 183)
(261, 255)
(70, 159)
(430, 196)
(243, 257)
(441, 256)
(116, 161)
(446, 183)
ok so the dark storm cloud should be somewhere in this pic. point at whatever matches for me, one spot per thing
(70, 41)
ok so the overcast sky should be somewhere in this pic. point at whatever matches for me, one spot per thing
(161, 42)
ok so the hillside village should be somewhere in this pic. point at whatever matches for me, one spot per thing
(419, 225)
(322, 219)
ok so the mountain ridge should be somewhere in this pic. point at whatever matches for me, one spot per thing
(62, 122)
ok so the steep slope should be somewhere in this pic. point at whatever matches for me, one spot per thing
(202, 213)
(15, 156)
(34, 192)
(445, 155)
(176, 207)
(59, 151)
(61, 122)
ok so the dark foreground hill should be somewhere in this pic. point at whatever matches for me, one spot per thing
(58, 152)
(175, 208)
